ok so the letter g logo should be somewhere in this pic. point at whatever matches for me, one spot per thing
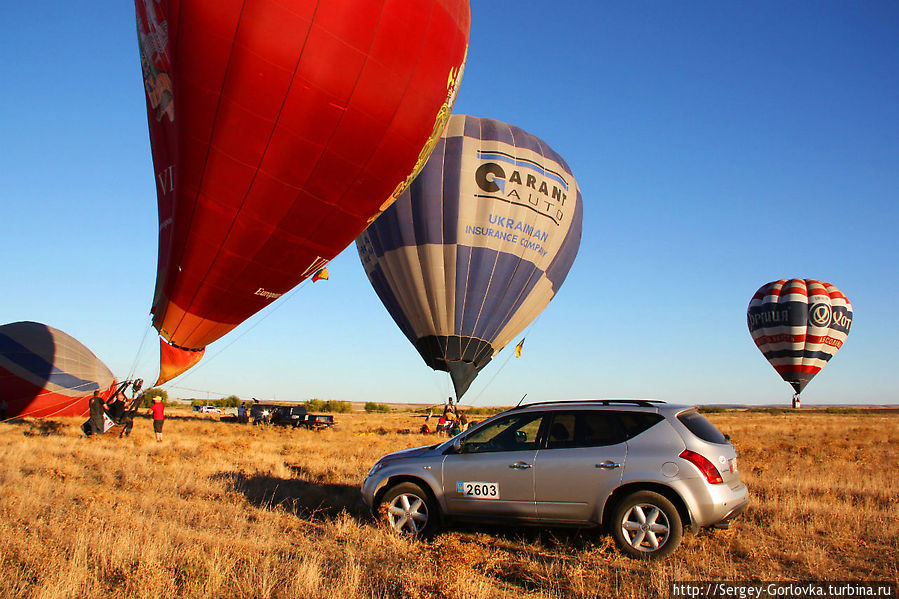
(490, 177)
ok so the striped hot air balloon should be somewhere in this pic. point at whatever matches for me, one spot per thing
(799, 324)
(477, 246)
(45, 372)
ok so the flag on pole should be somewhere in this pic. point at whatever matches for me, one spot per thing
(518, 348)
(321, 274)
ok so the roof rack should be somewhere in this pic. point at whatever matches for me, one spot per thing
(645, 403)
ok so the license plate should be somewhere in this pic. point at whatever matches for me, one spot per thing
(733, 465)
(478, 490)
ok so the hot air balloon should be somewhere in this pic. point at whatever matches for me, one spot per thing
(477, 246)
(45, 372)
(279, 130)
(799, 324)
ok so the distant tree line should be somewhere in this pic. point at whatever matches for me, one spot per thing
(232, 401)
(335, 407)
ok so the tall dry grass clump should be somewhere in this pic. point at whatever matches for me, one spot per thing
(226, 510)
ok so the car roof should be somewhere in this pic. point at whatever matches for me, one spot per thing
(648, 405)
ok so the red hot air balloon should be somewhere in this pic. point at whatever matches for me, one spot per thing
(45, 372)
(280, 129)
(799, 324)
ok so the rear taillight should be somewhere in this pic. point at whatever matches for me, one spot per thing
(707, 468)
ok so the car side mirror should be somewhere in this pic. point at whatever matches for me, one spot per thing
(727, 437)
(457, 445)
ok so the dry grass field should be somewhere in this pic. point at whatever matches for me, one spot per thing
(224, 510)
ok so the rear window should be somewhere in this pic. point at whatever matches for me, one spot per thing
(702, 428)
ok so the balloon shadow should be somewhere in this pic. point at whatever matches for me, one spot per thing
(36, 358)
(37, 428)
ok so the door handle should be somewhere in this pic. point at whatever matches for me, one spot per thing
(608, 465)
(520, 466)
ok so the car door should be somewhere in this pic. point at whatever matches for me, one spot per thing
(493, 473)
(581, 464)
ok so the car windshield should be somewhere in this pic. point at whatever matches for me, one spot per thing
(512, 433)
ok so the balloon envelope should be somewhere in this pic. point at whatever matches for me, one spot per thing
(279, 129)
(799, 324)
(45, 372)
(477, 246)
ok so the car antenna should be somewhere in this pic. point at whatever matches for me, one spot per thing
(521, 400)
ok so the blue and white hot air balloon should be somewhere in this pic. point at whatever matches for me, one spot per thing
(477, 246)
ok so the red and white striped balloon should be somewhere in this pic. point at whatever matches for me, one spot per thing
(798, 325)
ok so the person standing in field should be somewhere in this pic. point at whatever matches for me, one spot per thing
(158, 412)
(96, 413)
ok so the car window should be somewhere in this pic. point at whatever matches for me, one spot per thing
(634, 423)
(584, 429)
(701, 427)
(513, 433)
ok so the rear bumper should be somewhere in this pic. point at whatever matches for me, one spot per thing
(712, 505)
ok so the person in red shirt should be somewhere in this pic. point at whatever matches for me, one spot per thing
(158, 411)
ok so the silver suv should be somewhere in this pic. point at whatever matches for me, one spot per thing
(642, 469)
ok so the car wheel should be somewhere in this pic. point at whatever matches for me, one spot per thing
(408, 510)
(646, 525)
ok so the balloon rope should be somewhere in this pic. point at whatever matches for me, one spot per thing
(140, 350)
(200, 391)
(508, 359)
(490, 382)
(256, 323)
(67, 404)
(443, 389)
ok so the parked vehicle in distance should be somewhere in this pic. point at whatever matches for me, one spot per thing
(319, 421)
(288, 415)
(209, 410)
(641, 469)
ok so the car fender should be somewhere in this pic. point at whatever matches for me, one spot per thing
(423, 476)
(675, 491)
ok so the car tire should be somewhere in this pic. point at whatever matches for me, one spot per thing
(646, 525)
(407, 509)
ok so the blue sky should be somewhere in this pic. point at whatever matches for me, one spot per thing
(719, 146)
